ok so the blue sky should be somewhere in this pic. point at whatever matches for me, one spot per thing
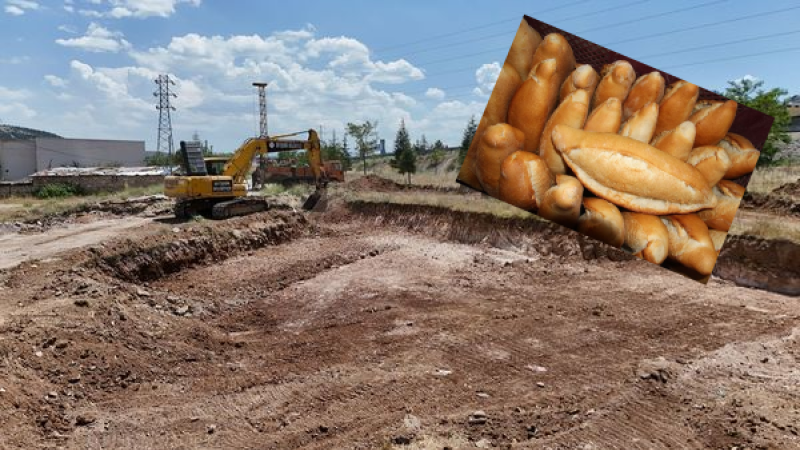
(84, 68)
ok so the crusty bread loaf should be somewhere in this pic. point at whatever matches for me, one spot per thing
(562, 203)
(712, 119)
(677, 105)
(605, 118)
(711, 161)
(718, 238)
(571, 112)
(555, 46)
(584, 77)
(508, 81)
(677, 142)
(646, 236)
(742, 153)
(520, 55)
(467, 173)
(641, 124)
(497, 143)
(524, 179)
(647, 88)
(632, 174)
(690, 243)
(533, 102)
(729, 195)
(602, 221)
(617, 79)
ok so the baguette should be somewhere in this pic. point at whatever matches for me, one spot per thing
(467, 173)
(606, 118)
(555, 46)
(632, 174)
(533, 102)
(617, 79)
(742, 153)
(677, 105)
(571, 112)
(712, 119)
(689, 243)
(602, 221)
(718, 238)
(677, 142)
(497, 143)
(583, 78)
(641, 124)
(508, 81)
(647, 88)
(562, 203)
(524, 179)
(729, 195)
(646, 236)
(711, 161)
(520, 55)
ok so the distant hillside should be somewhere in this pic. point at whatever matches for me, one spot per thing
(9, 132)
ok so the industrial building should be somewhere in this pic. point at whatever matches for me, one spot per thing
(21, 158)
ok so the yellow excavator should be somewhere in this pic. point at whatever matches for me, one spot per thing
(218, 189)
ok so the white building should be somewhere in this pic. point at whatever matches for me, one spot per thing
(21, 158)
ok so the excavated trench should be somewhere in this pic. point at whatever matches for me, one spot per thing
(767, 264)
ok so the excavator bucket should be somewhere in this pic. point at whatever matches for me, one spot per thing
(317, 201)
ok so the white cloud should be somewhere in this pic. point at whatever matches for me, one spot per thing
(136, 8)
(8, 95)
(486, 76)
(14, 10)
(67, 29)
(748, 77)
(19, 7)
(55, 81)
(97, 39)
(434, 93)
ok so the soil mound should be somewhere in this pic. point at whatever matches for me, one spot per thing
(374, 183)
(790, 189)
(761, 263)
(774, 203)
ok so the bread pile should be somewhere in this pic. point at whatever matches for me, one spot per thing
(622, 158)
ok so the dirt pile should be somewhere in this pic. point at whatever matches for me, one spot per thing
(772, 202)
(766, 264)
(790, 189)
(374, 183)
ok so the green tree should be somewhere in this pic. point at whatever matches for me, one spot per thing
(407, 163)
(333, 150)
(402, 144)
(437, 155)
(365, 139)
(749, 92)
(469, 134)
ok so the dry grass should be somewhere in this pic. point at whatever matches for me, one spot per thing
(765, 180)
(766, 226)
(441, 179)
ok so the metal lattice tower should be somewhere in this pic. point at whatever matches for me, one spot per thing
(262, 108)
(164, 120)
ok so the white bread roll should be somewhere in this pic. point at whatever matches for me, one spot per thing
(647, 88)
(602, 221)
(712, 119)
(524, 179)
(497, 143)
(555, 46)
(689, 243)
(677, 105)
(641, 124)
(677, 142)
(742, 153)
(533, 102)
(583, 78)
(562, 203)
(520, 55)
(572, 113)
(617, 79)
(718, 238)
(605, 118)
(646, 236)
(504, 89)
(729, 195)
(711, 161)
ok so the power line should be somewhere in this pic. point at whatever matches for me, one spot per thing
(662, 14)
(721, 44)
(791, 49)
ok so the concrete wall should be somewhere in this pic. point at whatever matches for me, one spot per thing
(93, 184)
(14, 189)
(17, 159)
(51, 152)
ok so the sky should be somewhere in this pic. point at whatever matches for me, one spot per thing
(85, 68)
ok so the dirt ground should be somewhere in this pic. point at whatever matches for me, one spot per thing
(377, 326)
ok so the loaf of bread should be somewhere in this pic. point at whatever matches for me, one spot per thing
(718, 238)
(602, 221)
(616, 81)
(641, 124)
(495, 145)
(742, 153)
(647, 88)
(646, 236)
(467, 173)
(711, 161)
(729, 195)
(520, 55)
(555, 46)
(712, 119)
(584, 77)
(508, 81)
(562, 203)
(533, 102)
(677, 105)
(572, 113)
(524, 179)
(677, 142)
(632, 174)
(690, 243)
(606, 118)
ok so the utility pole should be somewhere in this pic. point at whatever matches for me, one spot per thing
(262, 108)
(164, 119)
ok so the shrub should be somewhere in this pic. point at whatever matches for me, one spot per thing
(58, 190)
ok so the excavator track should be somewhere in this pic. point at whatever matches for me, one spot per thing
(239, 207)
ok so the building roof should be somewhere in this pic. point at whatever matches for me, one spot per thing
(119, 171)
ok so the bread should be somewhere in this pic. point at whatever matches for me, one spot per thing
(520, 55)
(571, 112)
(467, 173)
(742, 153)
(602, 221)
(533, 102)
(677, 142)
(632, 174)
(718, 238)
(555, 46)
(729, 195)
(497, 143)
(647, 88)
(677, 105)
(617, 79)
(711, 161)
(646, 236)
(524, 179)
(508, 81)
(562, 202)
(606, 118)
(584, 78)
(690, 243)
(641, 124)
(712, 119)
